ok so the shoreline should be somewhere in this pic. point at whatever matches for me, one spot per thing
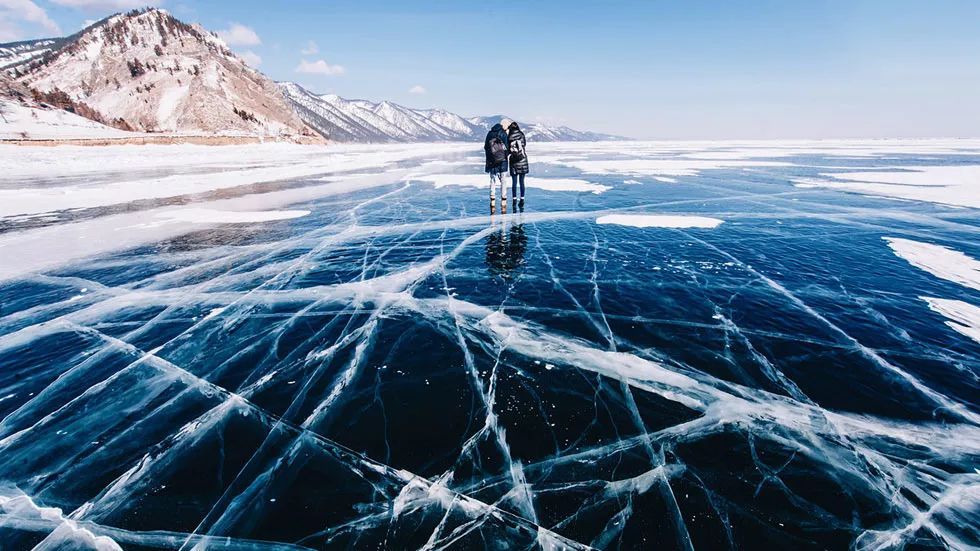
(162, 140)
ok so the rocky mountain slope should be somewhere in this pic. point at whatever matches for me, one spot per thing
(147, 71)
(18, 54)
(364, 121)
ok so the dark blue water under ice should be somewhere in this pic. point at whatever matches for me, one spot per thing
(397, 370)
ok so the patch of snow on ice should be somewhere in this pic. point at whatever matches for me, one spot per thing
(963, 317)
(483, 181)
(957, 185)
(213, 216)
(264, 163)
(942, 262)
(659, 221)
(663, 167)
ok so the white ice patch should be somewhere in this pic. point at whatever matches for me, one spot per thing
(659, 221)
(483, 181)
(212, 216)
(957, 185)
(560, 152)
(963, 317)
(951, 265)
(942, 262)
(663, 167)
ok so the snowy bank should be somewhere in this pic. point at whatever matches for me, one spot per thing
(19, 122)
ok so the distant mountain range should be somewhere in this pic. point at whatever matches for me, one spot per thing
(146, 71)
(365, 121)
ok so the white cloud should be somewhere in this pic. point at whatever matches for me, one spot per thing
(88, 23)
(105, 4)
(251, 58)
(320, 67)
(13, 12)
(417, 89)
(310, 49)
(239, 35)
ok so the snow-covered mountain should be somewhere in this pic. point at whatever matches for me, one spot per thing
(15, 54)
(347, 120)
(147, 71)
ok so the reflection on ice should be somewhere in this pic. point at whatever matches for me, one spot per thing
(390, 370)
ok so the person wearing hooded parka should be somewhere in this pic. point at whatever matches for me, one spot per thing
(495, 146)
(518, 162)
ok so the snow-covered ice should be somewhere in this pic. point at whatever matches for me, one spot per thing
(948, 185)
(659, 221)
(663, 167)
(533, 182)
(214, 216)
(274, 347)
(942, 262)
(963, 317)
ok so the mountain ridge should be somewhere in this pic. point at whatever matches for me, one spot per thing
(360, 120)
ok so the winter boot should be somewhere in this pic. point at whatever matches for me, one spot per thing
(493, 206)
(503, 205)
(521, 204)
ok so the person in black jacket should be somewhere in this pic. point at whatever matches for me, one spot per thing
(495, 147)
(518, 162)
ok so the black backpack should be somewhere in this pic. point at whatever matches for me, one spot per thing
(498, 151)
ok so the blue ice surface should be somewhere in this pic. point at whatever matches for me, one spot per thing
(438, 377)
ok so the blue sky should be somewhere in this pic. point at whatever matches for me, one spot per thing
(654, 69)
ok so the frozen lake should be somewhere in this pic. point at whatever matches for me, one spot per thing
(676, 345)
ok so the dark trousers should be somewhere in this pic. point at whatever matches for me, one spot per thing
(513, 186)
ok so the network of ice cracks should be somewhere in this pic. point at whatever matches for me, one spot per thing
(339, 385)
